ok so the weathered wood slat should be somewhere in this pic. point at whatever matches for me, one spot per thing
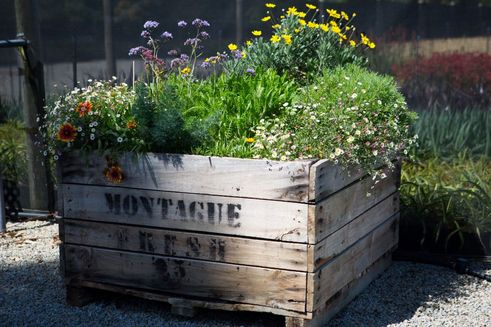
(344, 296)
(261, 179)
(342, 207)
(334, 275)
(334, 244)
(196, 303)
(219, 248)
(244, 284)
(276, 220)
(327, 178)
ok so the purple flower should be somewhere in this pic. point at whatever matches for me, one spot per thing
(251, 71)
(184, 57)
(182, 23)
(145, 34)
(205, 64)
(192, 42)
(176, 63)
(147, 55)
(204, 35)
(200, 23)
(237, 54)
(150, 24)
(166, 36)
(136, 51)
(172, 52)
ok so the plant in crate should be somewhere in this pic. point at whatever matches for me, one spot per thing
(284, 127)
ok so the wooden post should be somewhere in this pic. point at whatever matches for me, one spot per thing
(3, 218)
(40, 185)
(108, 38)
(238, 21)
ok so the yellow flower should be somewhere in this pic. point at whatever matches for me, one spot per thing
(301, 14)
(249, 140)
(287, 38)
(265, 19)
(324, 27)
(364, 39)
(292, 11)
(308, 5)
(333, 13)
(371, 45)
(312, 25)
(333, 23)
(302, 22)
(344, 15)
(257, 33)
(342, 36)
(248, 42)
(232, 47)
(336, 29)
(297, 30)
(276, 26)
(282, 16)
(275, 39)
(352, 43)
(270, 5)
(185, 71)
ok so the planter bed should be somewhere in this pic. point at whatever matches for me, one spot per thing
(298, 239)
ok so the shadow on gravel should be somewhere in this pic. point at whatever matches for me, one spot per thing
(33, 294)
(397, 295)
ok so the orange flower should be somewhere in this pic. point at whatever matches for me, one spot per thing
(114, 174)
(84, 108)
(131, 124)
(66, 133)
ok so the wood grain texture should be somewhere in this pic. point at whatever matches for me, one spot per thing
(276, 220)
(242, 284)
(337, 242)
(343, 297)
(219, 248)
(347, 266)
(342, 207)
(194, 302)
(262, 179)
(327, 178)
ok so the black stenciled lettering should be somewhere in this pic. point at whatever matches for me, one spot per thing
(211, 212)
(169, 246)
(113, 203)
(130, 205)
(147, 204)
(232, 215)
(193, 246)
(217, 249)
(146, 241)
(181, 207)
(165, 208)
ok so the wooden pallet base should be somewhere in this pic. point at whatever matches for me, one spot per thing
(80, 293)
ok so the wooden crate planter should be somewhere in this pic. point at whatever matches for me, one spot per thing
(298, 239)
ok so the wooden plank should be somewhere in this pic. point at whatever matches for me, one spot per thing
(334, 244)
(342, 207)
(346, 267)
(263, 179)
(343, 297)
(327, 178)
(196, 303)
(277, 220)
(243, 284)
(219, 248)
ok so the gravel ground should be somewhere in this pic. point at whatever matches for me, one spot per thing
(408, 294)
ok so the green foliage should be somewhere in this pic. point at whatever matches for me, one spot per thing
(349, 115)
(161, 124)
(13, 154)
(443, 134)
(448, 199)
(9, 111)
(230, 105)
